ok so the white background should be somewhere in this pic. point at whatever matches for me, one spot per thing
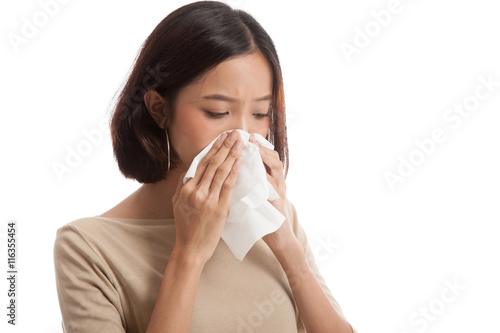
(386, 255)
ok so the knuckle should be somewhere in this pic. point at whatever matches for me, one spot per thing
(216, 160)
(234, 171)
(217, 182)
(212, 201)
(197, 198)
(205, 160)
(185, 191)
(207, 202)
(218, 177)
(213, 198)
(223, 170)
(234, 153)
(218, 211)
(228, 143)
(216, 145)
(227, 186)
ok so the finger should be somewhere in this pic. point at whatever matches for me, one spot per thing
(252, 138)
(261, 151)
(227, 187)
(254, 141)
(223, 170)
(278, 185)
(272, 161)
(272, 181)
(200, 169)
(218, 159)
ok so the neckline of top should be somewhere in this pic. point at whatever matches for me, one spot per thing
(122, 219)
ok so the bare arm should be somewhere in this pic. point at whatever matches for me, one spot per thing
(175, 302)
(316, 311)
(206, 197)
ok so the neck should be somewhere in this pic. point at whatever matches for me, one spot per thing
(155, 199)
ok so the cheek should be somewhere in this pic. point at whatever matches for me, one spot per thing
(193, 132)
(263, 127)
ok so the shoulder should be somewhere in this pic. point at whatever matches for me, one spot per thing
(84, 234)
(72, 234)
(83, 246)
(80, 227)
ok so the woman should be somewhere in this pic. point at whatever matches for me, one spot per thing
(145, 265)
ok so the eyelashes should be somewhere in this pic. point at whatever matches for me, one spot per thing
(217, 115)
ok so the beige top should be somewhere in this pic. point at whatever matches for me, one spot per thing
(109, 272)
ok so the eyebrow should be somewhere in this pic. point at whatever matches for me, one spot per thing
(218, 97)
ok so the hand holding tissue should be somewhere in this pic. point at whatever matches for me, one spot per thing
(251, 215)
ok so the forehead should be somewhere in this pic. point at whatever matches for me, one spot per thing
(242, 78)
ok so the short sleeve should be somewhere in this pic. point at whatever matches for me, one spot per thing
(301, 235)
(88, 299)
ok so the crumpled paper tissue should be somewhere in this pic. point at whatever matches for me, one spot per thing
(251, 215)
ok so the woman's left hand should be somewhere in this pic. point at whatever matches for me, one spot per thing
(283, 238)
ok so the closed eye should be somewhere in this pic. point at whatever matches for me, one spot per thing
(262, 115)
(218, 115)
(215, 114)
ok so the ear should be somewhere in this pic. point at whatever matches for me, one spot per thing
(157, 106)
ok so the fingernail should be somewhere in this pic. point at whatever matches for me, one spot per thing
(234, 134)
(239, 144)
(239, 160)
(223, 137)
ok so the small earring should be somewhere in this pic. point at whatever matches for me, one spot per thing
(168, 150)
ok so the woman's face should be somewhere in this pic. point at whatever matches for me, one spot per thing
(236, 94)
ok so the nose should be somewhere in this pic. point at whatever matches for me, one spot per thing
(240, 122)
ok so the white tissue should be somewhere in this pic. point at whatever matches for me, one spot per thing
(251, 215)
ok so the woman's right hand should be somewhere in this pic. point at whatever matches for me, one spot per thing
(201, 205)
